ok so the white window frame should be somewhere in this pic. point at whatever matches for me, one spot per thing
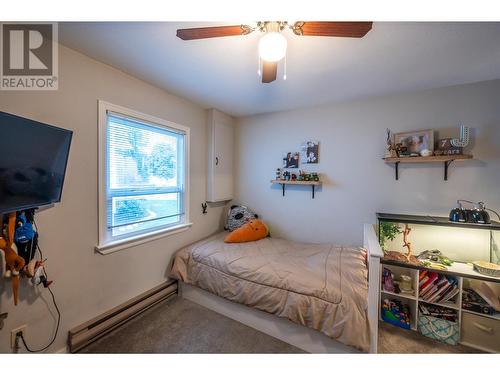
(106, 244)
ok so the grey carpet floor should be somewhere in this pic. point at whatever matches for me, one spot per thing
(181, 326)
(393, 339)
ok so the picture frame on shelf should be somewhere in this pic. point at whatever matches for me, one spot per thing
(414, 142)
(291, 160)
(309, 152)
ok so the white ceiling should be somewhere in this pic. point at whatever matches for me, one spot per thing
(222, 72)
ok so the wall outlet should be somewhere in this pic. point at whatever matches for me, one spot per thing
(14, 332)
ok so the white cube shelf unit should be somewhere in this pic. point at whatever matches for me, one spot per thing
(477, 330)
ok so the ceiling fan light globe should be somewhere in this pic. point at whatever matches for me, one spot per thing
(272, 47)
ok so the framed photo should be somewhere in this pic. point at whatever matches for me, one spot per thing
(291, 160)
(416, 141)
(310, 152)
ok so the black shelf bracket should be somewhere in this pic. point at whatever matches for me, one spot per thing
(313, 189)
(446, 165)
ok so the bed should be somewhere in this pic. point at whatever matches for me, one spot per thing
(321, 287)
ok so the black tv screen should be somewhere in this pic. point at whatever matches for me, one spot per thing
(33, 158)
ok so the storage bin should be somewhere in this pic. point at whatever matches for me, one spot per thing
(439, 329)
(397, 313)
(481, 332)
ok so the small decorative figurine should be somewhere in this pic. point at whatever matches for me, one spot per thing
(294, 177)
(401, 151)
(278, 174)
(426, 152)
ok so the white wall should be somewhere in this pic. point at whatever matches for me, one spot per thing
(87, 284)
(357, 183)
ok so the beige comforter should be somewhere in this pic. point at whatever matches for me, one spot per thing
(323, 287)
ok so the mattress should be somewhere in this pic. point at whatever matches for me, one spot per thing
(320, 286)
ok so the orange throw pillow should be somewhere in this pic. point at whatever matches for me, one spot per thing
(252, 231)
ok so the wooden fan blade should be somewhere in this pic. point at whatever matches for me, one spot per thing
(213, 32)
(269, 71)
(340, 29)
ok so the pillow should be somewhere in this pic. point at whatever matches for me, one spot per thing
(237, 216)
(251, 231)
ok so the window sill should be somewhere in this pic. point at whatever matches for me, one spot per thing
(114, 246)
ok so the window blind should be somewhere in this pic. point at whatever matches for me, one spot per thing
(145, 174)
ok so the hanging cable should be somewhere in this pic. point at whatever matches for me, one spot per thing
(55, 305)
(258, 64)
(284, 68)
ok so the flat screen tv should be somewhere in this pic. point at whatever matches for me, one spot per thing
(33, 158)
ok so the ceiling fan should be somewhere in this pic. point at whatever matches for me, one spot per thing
(272, 45)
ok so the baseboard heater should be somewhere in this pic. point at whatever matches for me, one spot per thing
(86, 333)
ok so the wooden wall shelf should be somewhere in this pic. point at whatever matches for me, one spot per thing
(445, 159)
(283, 183)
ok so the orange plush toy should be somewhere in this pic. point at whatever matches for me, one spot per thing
(252, 231)
(14, 263)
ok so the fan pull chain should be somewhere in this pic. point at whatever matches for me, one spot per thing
(284, 68)
(258, 64)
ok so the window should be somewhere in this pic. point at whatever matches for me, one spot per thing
(143, 169)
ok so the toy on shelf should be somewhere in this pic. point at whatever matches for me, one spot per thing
(388, 280)
(14, 263)
(434, 259)
(401, 285)
(306, 176)
(397, 313)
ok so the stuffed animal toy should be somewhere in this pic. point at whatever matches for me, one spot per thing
(25, 238)
(14, 263)
(251, 231)
(237, 216)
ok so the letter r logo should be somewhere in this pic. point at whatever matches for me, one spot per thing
(27, 49)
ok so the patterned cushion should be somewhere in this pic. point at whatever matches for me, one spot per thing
(237, 216)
